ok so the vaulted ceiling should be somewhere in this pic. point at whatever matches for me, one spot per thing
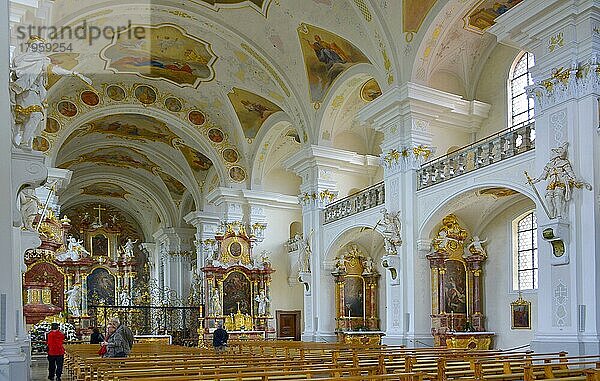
(220, 92)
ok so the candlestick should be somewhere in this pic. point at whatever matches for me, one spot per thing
(452, 321)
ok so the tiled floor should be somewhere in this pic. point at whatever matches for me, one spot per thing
(39, 368)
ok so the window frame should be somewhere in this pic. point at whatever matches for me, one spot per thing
(530, 110)
(514, 286)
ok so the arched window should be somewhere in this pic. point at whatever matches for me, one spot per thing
(525, 263)
(520, 107)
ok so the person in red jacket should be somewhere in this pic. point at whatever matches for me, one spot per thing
(56, 352)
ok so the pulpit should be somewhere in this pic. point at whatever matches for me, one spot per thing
(457, 319)
(356, 290)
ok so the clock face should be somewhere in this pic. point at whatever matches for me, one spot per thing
(235, 249)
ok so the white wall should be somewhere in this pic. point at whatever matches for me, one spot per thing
(498, 280)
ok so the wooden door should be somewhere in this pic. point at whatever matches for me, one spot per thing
(288, 325)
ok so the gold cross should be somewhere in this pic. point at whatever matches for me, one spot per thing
(99, 208)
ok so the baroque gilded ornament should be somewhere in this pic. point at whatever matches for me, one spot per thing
(407, 157)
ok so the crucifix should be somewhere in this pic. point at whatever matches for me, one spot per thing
(99, 208)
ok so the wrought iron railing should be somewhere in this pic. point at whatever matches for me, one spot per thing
(365, 199)
(492, 149)
(180, 322)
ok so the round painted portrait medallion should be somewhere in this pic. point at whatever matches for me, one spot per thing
(215, 135)
(52, 125)
(90, 98)
(67, 108)
(145, 94)
(196, 117)
(116, 93)
(237, 174)
(230, 155)
(173, 104)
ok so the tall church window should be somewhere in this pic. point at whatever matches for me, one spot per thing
(526, 253)
(521, 107)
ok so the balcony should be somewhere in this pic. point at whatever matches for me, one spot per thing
(492, 149)
(366, 199)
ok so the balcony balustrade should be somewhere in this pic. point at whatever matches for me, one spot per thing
(366, 199)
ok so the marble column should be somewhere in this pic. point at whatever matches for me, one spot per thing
(564, 37)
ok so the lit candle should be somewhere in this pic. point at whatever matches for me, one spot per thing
(452, 320)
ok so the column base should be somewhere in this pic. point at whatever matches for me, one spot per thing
(325, 337)
(575, 345)
(14, 361)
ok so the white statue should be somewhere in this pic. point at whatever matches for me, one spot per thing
(216, 303)
(124, 298)
(128, 248)
(28, 90)
(262, 301)
(392, 229)
(368, 265)
(74, 300)
(475, 246)
(29, 206)
(561, 181)
(442, 239)
(75, 250)
(340, 264)
(304, 253)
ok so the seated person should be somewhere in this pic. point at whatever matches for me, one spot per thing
(220, 337)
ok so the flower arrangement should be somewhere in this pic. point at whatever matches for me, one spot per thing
(38, 334)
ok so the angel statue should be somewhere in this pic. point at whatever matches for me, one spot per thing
(74, 300)
(475, 247)
(216, 303)
(128, 248)
(29, 77)
(392, 227)
(75, 250)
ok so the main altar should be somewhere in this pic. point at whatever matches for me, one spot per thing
(457, 319)
(237, 285)
(82, 261)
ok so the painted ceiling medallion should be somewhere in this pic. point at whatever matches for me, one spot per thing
(237, 174)
(52, 125)
(67, 108)
(261, 6)
(41, 144)
(116, 93)
(215, 135)
(166, 52)
(173, 104)
(370, 90)
(90, 98)
(252, 110)
(484, 14)
(145, 94)
(196, 117)
(230, 155)
(326, 56)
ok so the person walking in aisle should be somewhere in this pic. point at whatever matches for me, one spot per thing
(56, 352)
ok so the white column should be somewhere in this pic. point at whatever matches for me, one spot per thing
(206, 225)
(565, 40)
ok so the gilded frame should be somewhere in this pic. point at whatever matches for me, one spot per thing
(520, 314)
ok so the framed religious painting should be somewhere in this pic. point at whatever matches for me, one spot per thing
(520, 314)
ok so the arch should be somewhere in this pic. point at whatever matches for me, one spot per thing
(295, 228)
(335, 244)
(428, 222)
(186, 132)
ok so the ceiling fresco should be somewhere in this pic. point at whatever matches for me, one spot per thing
(484, 14)
(104, 189)
(260, 6)
(165, 52)
(196, 160)
(128, 126)
(252, 110)
(414, 13)
(115, 156)
(326, 56)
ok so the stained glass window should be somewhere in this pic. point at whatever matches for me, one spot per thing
(521, 107)
(526, 255)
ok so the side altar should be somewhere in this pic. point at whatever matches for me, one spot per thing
(237, 285)
(456, 261)
(80, 263)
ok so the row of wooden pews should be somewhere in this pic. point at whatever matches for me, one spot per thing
(285, 360)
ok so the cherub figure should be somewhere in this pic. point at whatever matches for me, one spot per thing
(475, 246)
